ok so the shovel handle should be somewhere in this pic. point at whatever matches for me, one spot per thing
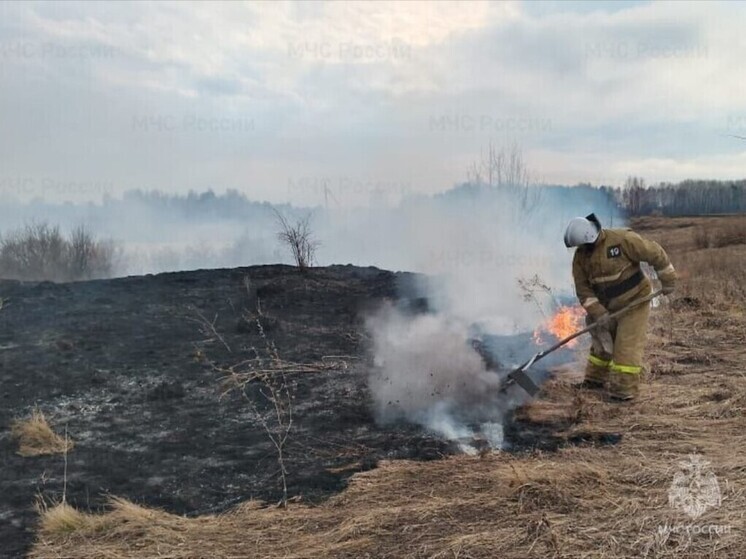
(594, 325)
(518, 375)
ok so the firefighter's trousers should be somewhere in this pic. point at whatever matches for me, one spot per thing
(616, 356)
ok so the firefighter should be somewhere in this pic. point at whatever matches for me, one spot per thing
(607, 274)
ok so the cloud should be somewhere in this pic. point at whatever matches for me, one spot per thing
(249, 96)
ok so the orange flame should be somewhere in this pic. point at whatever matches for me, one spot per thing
(566, 321)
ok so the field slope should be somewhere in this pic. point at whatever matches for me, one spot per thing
(662, 477)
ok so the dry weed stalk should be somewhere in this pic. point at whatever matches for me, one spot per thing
(207, 328)
(534, 286)
(264, 377)
(275, 389)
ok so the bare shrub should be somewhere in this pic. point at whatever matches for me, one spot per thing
(725, 235)
(208, 329)
(730, 234)
(89, 258)
(299, 238)
(534, 289)
(39, 252)
(35, 252)
(264, 382)
(701, 237)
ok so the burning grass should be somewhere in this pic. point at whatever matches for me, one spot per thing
(564, 322)
(35, 437)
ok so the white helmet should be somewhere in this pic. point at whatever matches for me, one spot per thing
(581, 231)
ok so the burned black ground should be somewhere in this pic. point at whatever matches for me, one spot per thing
(122, 365)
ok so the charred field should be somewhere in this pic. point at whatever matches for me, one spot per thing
(126, 368)
(123, 364)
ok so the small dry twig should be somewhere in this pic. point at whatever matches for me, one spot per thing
(531, 287)
(208, 329)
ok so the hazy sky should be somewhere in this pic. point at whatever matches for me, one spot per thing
(372, 100)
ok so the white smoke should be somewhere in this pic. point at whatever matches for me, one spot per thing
(426, 371)
(475, 248)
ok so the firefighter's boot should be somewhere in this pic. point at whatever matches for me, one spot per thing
(596, 372)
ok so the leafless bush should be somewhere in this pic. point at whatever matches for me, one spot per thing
(40, 252)
(87, 257)
(299, 238)
(265, 373)
(701, 237)
(720, 235)
(730, 234)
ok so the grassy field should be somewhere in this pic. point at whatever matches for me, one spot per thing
(582, 501)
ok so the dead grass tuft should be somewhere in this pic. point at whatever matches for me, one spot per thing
(62, 519)
(35, 437)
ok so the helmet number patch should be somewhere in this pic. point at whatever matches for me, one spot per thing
(614, 251)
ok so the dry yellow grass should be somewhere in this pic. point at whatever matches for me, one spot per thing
(580, 502)
(63, 519)
(35, 437)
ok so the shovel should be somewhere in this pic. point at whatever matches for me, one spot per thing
(518, 376)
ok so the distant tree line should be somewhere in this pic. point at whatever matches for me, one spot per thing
(202, 205)
(689, 197)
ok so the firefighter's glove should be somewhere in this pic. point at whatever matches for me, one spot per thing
(603, 321)
(599, 315)
(596, 311)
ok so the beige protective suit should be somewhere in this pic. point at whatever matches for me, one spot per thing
(607, 277)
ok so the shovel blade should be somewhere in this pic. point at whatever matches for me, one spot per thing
(521, 378)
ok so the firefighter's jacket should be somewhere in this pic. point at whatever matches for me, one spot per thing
(607, 274)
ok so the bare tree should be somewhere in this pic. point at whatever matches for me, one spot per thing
(299, 238)
(634, 194)
(505, 169)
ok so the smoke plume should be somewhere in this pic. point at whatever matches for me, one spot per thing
(480, 247)
(425, 371)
